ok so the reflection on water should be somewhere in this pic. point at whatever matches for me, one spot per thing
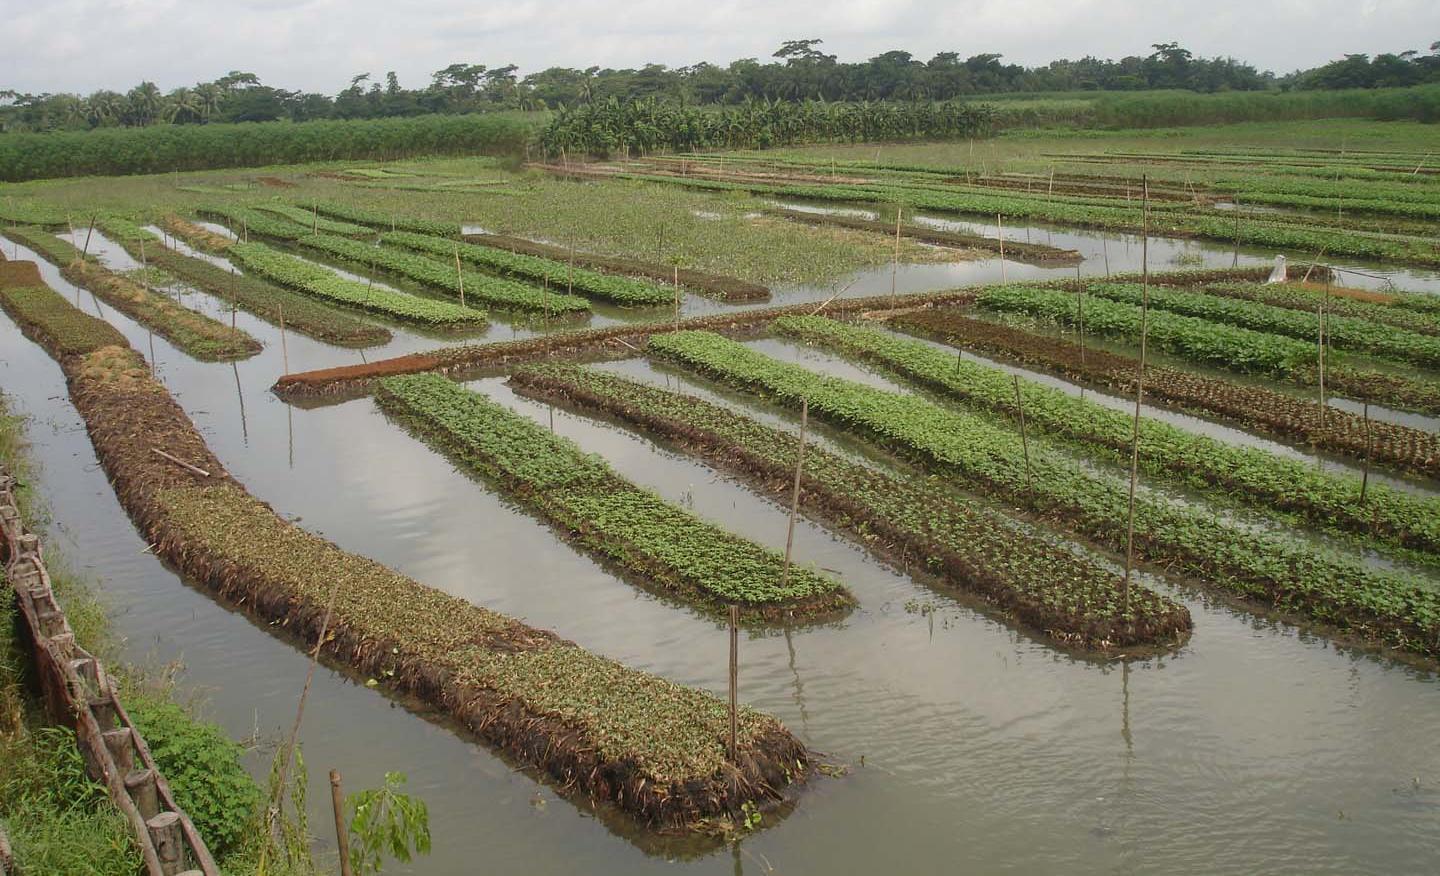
(1256, 749)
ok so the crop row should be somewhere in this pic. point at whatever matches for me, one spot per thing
(1251, 406)
(663, 544)
(323, 283)
(494, 291)
(1308, 298)
(45, 315)
(597, 728)
(195, 334)
(312, 220)
(1196, 339)
(244, 221)
(1259, 478)
(388, 221)
(1293, 233)
(1279, 571)
(251, 294)
(1342, 332)
(1070, 595)
(621, 290)
(1211, 343)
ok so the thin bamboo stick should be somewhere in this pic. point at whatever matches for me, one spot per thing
(795, 492)
(1139, 389)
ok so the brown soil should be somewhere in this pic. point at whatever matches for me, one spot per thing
(276, 182)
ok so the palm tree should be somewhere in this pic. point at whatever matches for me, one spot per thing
(209, 96)
(146, 103)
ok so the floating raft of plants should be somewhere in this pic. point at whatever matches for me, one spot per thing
(1255, 476)
(1024, 252)
(323, 283)
(436, 273)
(1397, 609)
(702, 282)
(1065, 594)
(251, 294)
(668, 549)
(1250, 406)
(196, 334)
(558, 275)
(626, 340)
(655, 749)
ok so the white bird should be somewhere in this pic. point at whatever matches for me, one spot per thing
(1277, 273)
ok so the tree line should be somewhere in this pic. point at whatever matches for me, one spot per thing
(799, 70)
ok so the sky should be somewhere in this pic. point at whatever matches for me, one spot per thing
(318, 45)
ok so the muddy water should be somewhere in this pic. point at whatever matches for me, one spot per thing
(1255, 749)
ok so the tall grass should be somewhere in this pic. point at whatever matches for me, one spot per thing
(1163, 109)
(166, 148)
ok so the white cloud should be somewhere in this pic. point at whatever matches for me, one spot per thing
(317, 45)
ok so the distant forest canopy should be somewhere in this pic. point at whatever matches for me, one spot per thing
(800, 71)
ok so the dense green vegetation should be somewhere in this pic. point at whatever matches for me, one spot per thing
(163, 149)
(251, 294)
(390, 222)
(1196, 339)
(1277, 570)
(643, 126)
(1343, 332)
(320, 282)
(1259, 478)
(1251, 406)
(436, 273)
(558, 275)
(311, 219)
(667, 546)
(193, 333)
(1068, 594)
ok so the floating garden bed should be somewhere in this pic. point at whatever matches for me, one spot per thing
(670, 549)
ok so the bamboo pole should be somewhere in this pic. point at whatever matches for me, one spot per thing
(342, 837)
(1365, 476)
(91, 230)
(1000, 233)
(677, 298)
(459, 276)
(1080, 313)
(1320, 344)
(734, 678)
(795, 492)
(284, 349)
(1024, 437)
(895, 262)
(1139, 388)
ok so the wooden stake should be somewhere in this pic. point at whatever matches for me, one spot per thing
(1024, 437)
(1235, 260)
(1080, 313)
(677, 298)
(459, 276)
(1320, 344)
(342, 837)
(1000, 233)
(91, 230)
(1139, 388)
(284, 349)
(1365, 476)
(1105, 248)
(180, 462)
(315, 226)
(795, 492)
(734, 681)
(895, 262)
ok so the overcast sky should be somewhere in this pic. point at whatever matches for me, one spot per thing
(82, 45)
